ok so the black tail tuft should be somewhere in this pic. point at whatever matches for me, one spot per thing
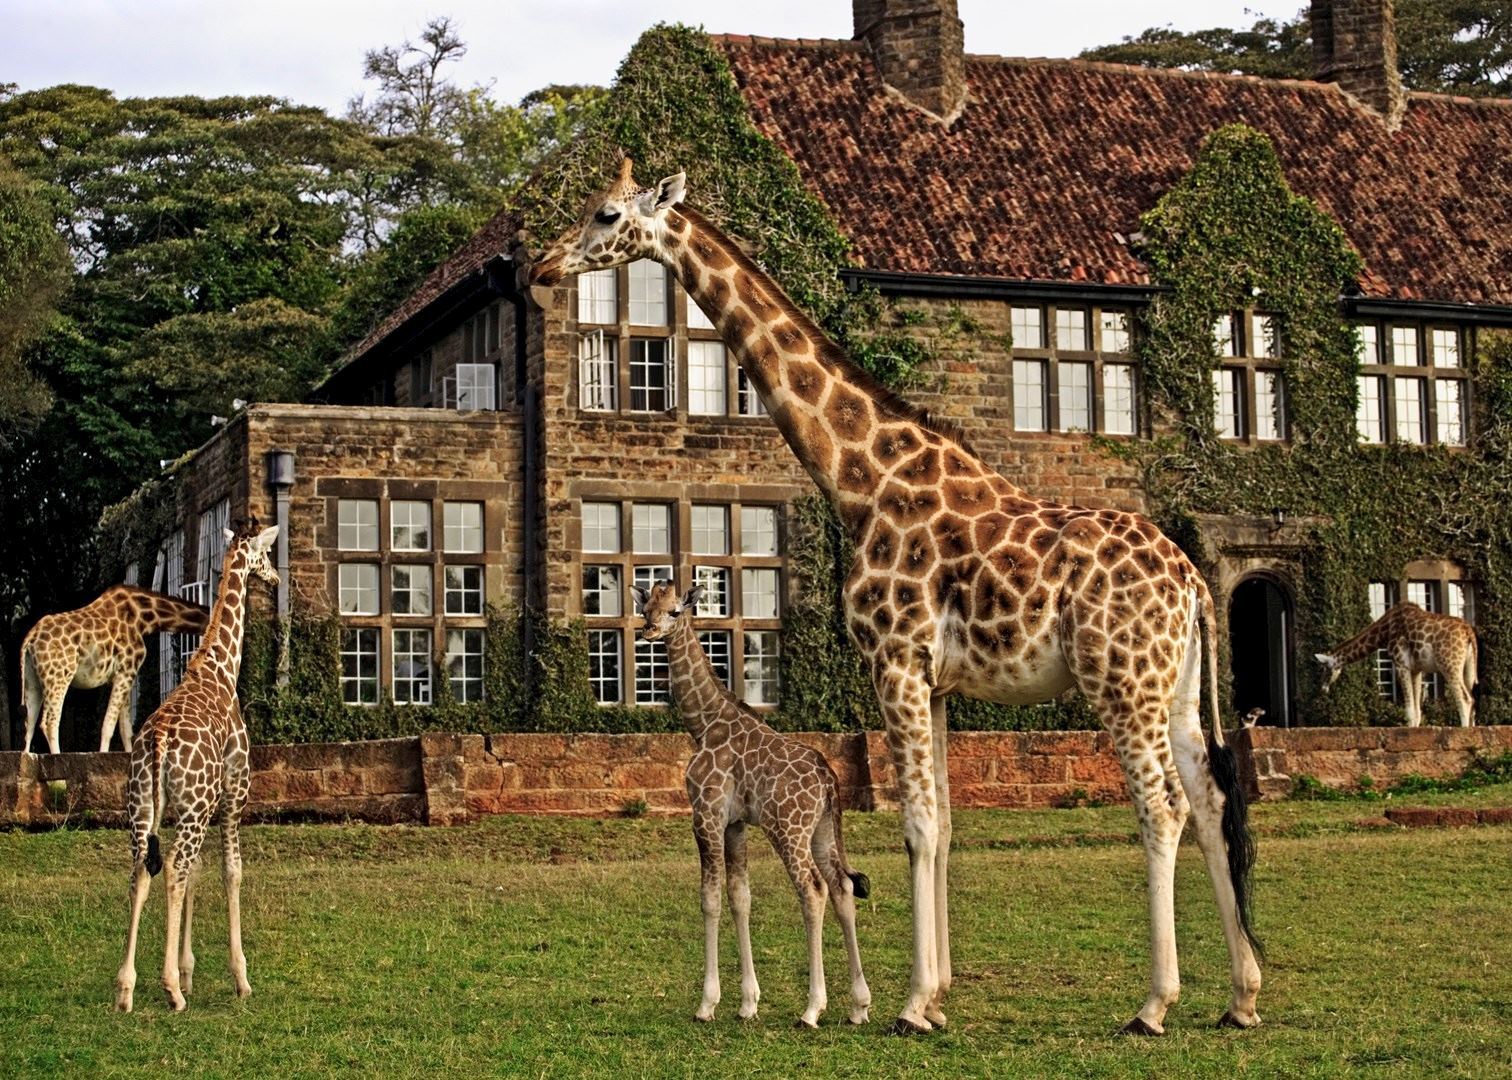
(860, 884)
(1475, 692)
(1236, 834)
(154, 860)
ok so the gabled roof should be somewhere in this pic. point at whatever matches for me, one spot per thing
(1054, 160)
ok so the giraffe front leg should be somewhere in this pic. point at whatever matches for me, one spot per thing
(232, 874)
(934, 1013)
(115, 710)
(738, 891)
(710, 839)
(178, 869)
(797, 856)
(52, 719)
(186, 949)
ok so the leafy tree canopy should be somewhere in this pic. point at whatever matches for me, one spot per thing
(33, 273)
(1450, 46)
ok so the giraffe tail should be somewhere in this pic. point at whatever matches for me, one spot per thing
(1237, 837)
(860, 883)
(154, 859)
(31, 688)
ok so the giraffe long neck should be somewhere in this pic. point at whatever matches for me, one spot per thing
(219, 655)
(170, 614)
(1378, 635)
(700, 697)
(829, 411)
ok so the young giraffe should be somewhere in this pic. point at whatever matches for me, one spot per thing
(1421, 643)
(98, 643)
(744, 773)
(964, 583)
(191, 758)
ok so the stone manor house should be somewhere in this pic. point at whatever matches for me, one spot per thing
(480, 448)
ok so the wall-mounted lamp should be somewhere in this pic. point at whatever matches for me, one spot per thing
(217, 421)
(1278, 517)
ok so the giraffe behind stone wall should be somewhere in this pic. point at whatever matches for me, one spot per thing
(1420, 643)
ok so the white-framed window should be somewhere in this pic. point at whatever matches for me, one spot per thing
(758, 530)
(1450, 413)
(1029, 392)
(1404, 346)
(1118, 399)
(649, 575)
(598, 297)
(412, 667)
(651, 528)
(1370, 408)
(1071, 329)
(653, 386)
(359, 665)
(1113, 327)
(1223, 336)
(462, 528)
(711, 529)
(212, 547)
(716, 597)
(749, 401)
(706, 377)
(1228, 402)
(463, 588)
(1368, 346)
(475, 387)
(1075, 396)
(1459, 600)
(410, 590)
(1270, 405)
(760, 666)
(357, 588)
(716, 646)
(1424, 594)
(648, 293)
(1385, 671)
(759, 592)
(604, 666)
(601, 528)
(357, 524)
(175, 649)
(653, 685)
(464, 664)
(409, 525)
(1410, 420)
(603, 592)
(1028, 325)
(1266, 335)
(598, 372)
(698, 319)
(1443, 347)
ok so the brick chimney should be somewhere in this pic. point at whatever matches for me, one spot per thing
(1354, 45)
(920, 50)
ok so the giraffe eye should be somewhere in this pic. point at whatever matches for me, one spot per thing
(606, 217)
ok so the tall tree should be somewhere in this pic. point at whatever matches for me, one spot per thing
(33, 274)
(1451, 46)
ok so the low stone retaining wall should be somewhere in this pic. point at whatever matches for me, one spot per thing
(445, 779)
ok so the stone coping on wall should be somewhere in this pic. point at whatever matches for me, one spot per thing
(446, 779)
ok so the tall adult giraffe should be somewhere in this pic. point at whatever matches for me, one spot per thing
(964, 583)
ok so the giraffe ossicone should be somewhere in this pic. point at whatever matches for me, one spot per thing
(1420, 643)
(191, 759)
(964, 583)
(101, 642)
(744, 773)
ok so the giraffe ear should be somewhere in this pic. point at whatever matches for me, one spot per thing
(641, 596)
(267, 536)
(670, 191)
(691, 598)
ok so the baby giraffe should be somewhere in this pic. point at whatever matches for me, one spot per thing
(744, 773)
(191, 759)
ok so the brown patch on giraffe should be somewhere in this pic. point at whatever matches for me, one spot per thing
(789, 338)
(969, 497)
(918, 553)
(739, 326)
(855, 473)
(905, 506)
(710, 254)
(892, 443)
(882, 545)
(805, 380)
(848, 413)
(952, 536)
(921, 469)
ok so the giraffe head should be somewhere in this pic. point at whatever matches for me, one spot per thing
(619, 225)
(662, 607)
(1331, 668)
(255, 544)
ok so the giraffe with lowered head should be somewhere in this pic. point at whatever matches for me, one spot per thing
(98, 643)
(744, 773)
(1420, 643)
(191, 759)
(964, 583)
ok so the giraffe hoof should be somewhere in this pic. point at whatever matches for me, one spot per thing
(859, 1016)
(1229, 1020)
(123, 1001)
(904, 1026)
(803, 1023)
(704, 1018)
(935, 1017)
(1138, 1026)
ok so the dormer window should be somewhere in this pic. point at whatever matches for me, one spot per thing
(1249, 388)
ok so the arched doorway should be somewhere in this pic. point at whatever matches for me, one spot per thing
(1260, 647)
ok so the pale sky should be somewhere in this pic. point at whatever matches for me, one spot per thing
(310, 51)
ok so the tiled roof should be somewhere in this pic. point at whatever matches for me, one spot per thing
(1053, 159)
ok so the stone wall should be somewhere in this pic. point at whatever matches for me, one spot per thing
(446, 779)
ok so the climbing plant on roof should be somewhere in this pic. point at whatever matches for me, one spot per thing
(1229, 235)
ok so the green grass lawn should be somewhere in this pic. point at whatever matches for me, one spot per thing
(547, 947)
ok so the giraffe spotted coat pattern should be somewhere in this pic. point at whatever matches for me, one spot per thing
(1420, 643)
(963, 583)
(101, 642)
(744, 773)
(191, 760)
